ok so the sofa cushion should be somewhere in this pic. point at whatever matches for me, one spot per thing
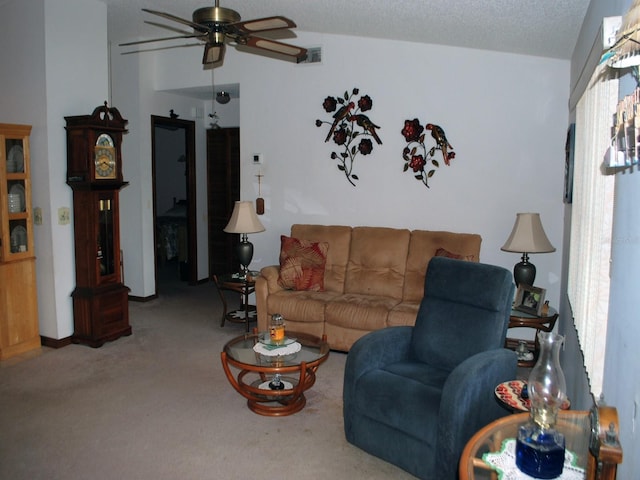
(361, 312)
(377, 261)
(404, 313)
(301, 306)
(443, 252)
(339, 238)
(423, 247)
(302, 264)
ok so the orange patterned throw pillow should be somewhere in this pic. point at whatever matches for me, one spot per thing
(441, 252)
(302, 264)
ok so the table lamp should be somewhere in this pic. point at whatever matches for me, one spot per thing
(243, 221)
(527, 237)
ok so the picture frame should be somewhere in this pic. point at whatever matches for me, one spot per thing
(529, 299)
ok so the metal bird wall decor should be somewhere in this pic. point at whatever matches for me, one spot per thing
(350, 129)
(418, 157)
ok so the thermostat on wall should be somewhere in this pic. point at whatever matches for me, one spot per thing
(258, 158)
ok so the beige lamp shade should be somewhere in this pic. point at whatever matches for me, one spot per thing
(244, 219)
(528, 235)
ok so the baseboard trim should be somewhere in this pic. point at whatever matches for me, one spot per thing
(134, 298)
(54, 343)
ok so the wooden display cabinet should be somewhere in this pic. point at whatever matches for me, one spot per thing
(19, 330)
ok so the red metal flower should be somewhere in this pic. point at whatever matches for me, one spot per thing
(412, 130)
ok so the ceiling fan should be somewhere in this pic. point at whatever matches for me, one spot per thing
(217, 25)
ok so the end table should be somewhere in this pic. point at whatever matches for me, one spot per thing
(586, 433)
(544, 323)
(245, 287)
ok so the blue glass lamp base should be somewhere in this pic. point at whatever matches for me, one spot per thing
(540, 453)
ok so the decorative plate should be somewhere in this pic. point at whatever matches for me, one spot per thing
(510, 394)
(15, 159)
(18, 189)
(19, 236)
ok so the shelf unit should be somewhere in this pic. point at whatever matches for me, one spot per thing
(19, 331)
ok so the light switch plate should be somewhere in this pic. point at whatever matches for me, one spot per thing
(64, 216)
(37, 216)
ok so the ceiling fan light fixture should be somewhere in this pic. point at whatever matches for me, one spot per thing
(213, 53)
(223, 97)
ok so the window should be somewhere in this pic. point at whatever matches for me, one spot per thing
(591, 222)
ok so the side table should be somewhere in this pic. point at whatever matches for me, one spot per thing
(245, 287)
(585, 434)
(544, 323)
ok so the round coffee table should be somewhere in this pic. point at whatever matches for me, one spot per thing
(296, 372)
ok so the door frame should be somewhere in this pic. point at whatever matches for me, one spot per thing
(189, 127)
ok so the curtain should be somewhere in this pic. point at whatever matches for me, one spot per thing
(591, 222)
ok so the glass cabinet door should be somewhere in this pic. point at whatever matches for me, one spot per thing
(15, 210)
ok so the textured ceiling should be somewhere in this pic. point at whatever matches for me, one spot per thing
(547, 28)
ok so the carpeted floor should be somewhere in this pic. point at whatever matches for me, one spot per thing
(157, 405)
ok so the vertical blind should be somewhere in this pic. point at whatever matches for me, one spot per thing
(591, 222)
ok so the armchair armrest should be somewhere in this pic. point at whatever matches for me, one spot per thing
(468, 403)
(266, 283)
(373, 351)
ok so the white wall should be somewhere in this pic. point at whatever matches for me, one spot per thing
(42, 84)
(505, 115)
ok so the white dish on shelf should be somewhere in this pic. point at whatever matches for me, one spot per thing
(18, 189)
(15, 159)
(14, 202)
(18, 238)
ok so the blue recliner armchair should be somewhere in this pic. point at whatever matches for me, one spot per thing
(414, 396)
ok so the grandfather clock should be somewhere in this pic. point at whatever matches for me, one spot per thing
(94, 172)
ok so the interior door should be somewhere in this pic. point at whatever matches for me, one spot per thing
(223, 183)
(178, 136)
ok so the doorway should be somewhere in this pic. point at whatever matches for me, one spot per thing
(174, 200)
(223, 189)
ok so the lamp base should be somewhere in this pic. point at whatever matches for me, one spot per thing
(524, 272)
(245, 254)
(540, 453)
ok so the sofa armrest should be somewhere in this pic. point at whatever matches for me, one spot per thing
(468, 402)
(266, 284)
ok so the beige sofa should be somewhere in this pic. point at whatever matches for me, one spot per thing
(373, 278)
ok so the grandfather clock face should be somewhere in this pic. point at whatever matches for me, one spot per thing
(105, 157)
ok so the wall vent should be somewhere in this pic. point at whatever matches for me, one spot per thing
(314, 55)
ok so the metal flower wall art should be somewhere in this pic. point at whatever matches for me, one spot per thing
(350, 129)
(419, 157)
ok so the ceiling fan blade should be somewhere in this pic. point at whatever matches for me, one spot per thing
(213, 53)
(264, 24)
(298, 53)
(168, 16)
(139, 42)
(168, 27)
